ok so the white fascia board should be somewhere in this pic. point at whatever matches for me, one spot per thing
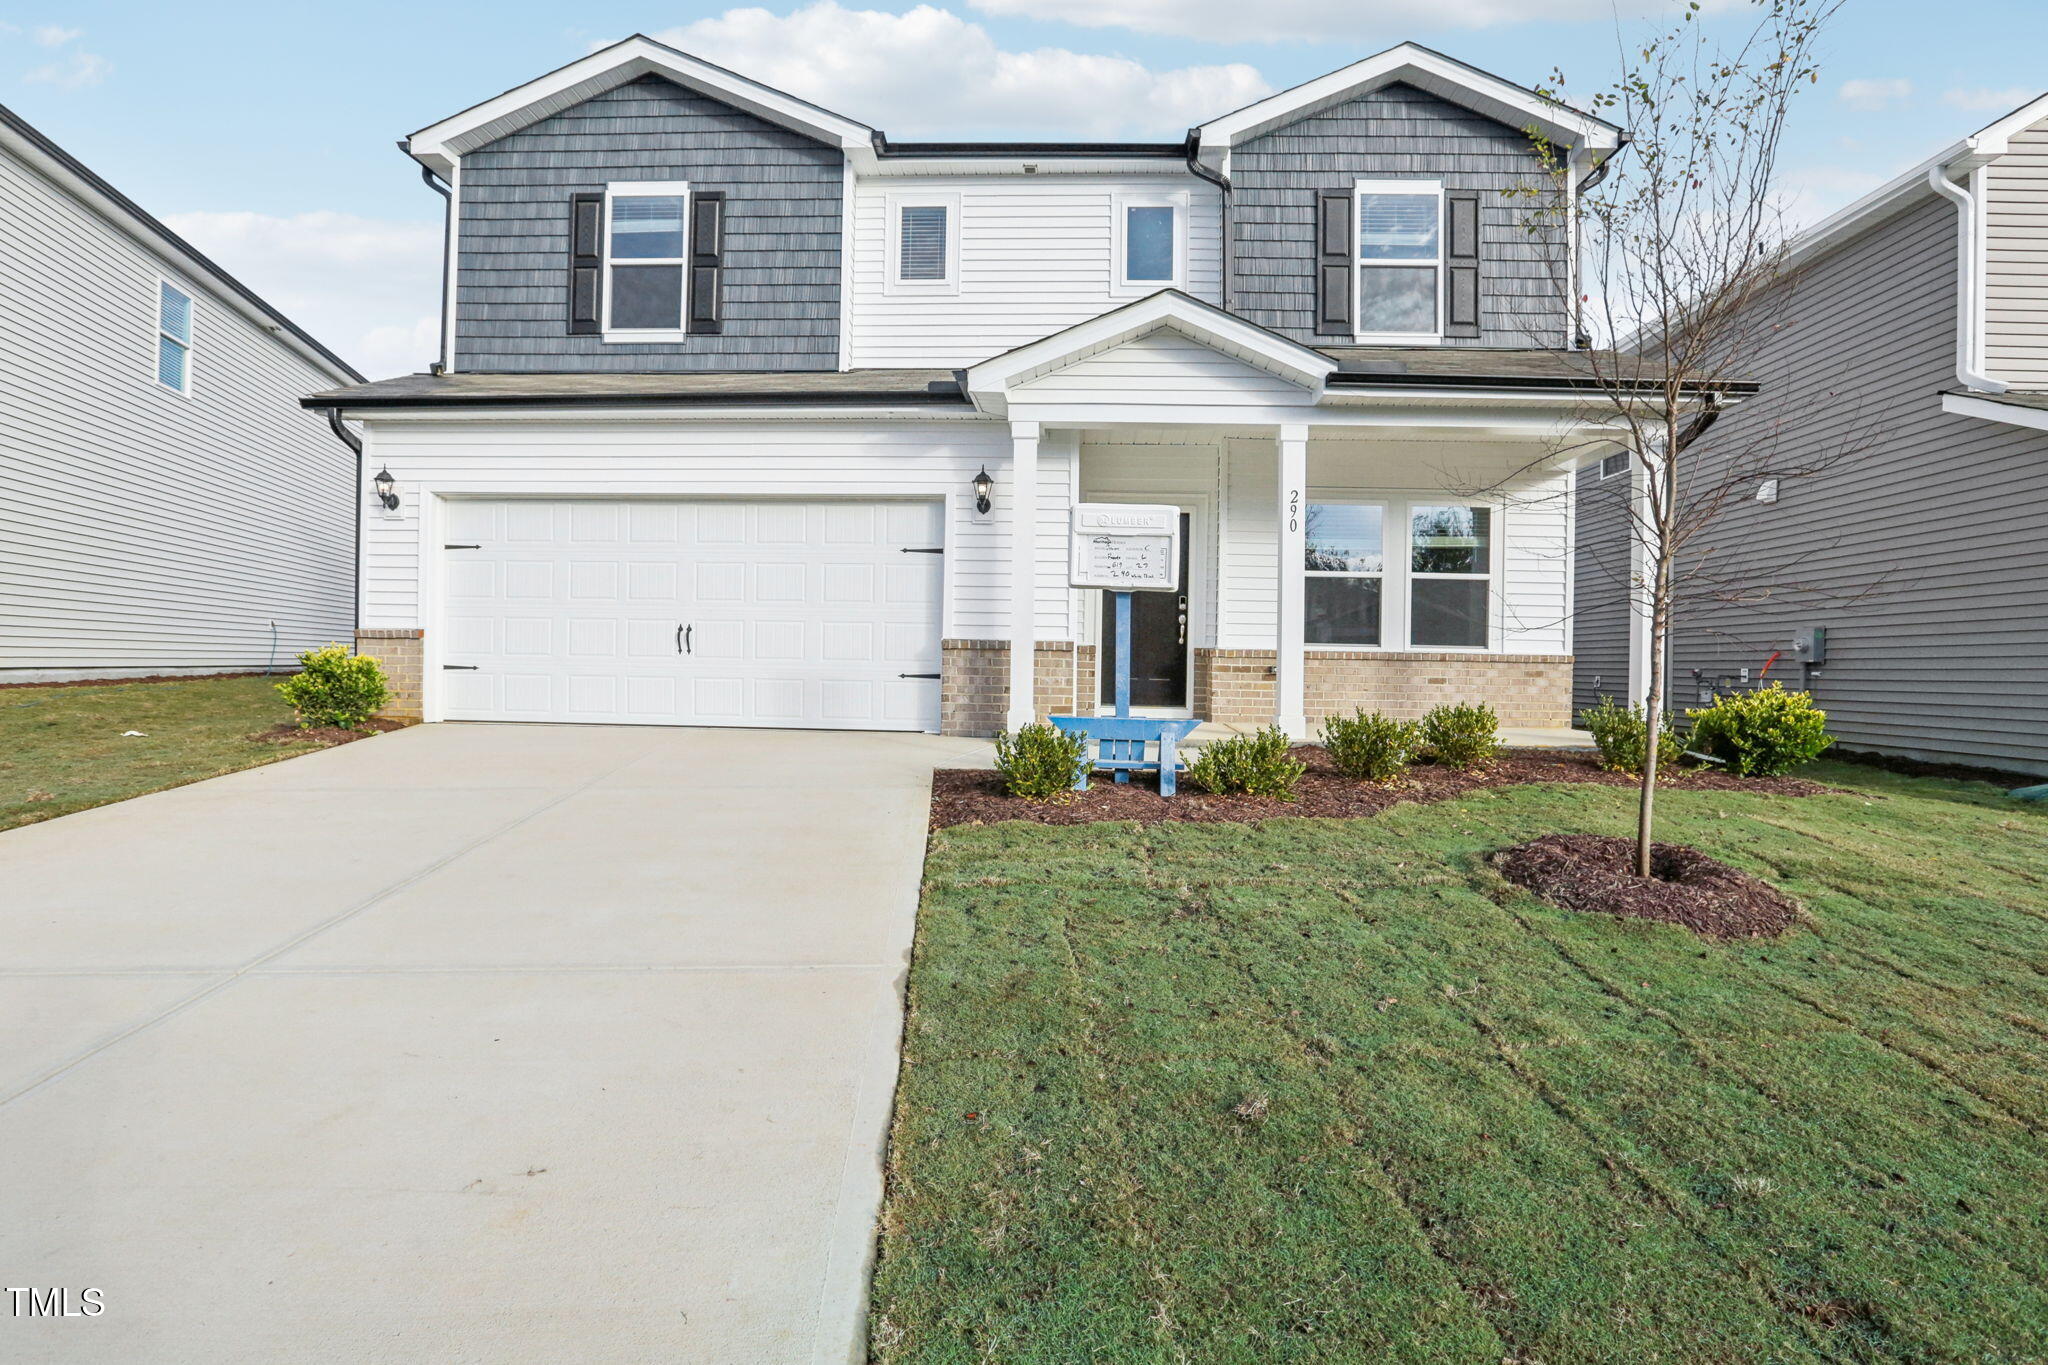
(440, 144)
(1990, 410)
(780, 412)
(1410, 64)
(988, 383)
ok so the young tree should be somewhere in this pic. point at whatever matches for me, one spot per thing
(1684, 240)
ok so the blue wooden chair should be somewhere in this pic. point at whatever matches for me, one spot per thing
(1128, 744)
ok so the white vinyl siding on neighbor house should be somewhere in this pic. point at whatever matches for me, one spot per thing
(2016, 262)
(144, 529)
(1032, 255)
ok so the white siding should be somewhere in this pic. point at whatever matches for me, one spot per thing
(1037, 254)
(1534, 589)
(142, 529)
(1160, 367)
(2016, 262)
(811, 460)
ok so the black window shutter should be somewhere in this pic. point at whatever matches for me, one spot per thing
(1461, 264)
(707, 263)
(586, 237)
(1333, 263)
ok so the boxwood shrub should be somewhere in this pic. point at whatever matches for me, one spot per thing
(1764, 733)
(335, 687)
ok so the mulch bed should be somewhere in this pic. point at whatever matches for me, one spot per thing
(1596, 873)
(970, 796)
(324, 734)
(1955, 772)
(152, 678)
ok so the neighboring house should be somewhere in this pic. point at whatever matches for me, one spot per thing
(166, 505)
(1912, 368)
(723, 373)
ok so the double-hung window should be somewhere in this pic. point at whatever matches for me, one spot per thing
(645, 264)
(1151, 241)
(1346, 565)
(924, 244)
(1400, 259)
(173, 337)
(1450, 576)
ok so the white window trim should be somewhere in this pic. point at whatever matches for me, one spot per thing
(1120, 267)
(1398, 577)
(1626, 464)
(1360, 189)
(191, 343)
(894, 205)
(634, 189)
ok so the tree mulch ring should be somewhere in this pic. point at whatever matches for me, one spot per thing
(328, 735)
(975, 796)
(1596, 873)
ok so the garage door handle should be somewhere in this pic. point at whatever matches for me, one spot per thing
(683, 642)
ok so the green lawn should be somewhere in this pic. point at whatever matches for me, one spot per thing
(1333, 1090)
(62, 748)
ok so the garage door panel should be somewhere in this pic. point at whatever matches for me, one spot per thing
(800, 613)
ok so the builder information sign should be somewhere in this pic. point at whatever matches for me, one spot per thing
(1125, 547)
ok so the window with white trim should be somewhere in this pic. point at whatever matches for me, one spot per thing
(924, 244)
(1151, 241)
(1614, 466)
(1450, 576)
(1345, 564)
(173, 337)
(645, 260)
(1400, 258)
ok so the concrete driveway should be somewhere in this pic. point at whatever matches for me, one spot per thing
(468, 1043)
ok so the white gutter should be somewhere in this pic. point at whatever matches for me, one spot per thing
(1970, 283)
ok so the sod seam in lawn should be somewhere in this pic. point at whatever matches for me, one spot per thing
(1334, 1090)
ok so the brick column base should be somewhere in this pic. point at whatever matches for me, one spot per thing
(403, 655)
(974, 683)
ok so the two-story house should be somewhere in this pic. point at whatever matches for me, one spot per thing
(1907, 369)
(747, 415)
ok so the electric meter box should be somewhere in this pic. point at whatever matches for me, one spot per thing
(1810, 644)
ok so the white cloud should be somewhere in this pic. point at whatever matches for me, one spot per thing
(49, 35)
(1980, 100)
(368, 288)
(76, 71)
(1871, 94)
(929, 73)
(1379, 21)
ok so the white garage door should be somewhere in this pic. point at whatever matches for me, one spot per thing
(813, 614)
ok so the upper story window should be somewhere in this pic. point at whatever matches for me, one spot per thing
(924, 243)
(173, 337)
(1151, 243)
(1400, 258)
(645, 265)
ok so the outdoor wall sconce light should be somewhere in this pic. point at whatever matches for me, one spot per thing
(387, 489)
(983, 486)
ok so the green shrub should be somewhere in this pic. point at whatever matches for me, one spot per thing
(1462, 734)
(1251, 765)
(1618, 734)
(1041, 762)
(336, 688)
(1370, 746)
(1764, 733)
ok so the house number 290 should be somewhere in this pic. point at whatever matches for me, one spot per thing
(1293, 509)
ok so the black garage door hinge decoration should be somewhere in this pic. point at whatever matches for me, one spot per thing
(458, 668)
(917, 675)
(462, 547)
(913, 550)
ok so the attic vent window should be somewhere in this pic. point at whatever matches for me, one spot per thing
(923, 244)
(923, 253)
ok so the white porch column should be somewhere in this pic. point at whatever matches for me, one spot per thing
(1293, 540)
(1023, 572)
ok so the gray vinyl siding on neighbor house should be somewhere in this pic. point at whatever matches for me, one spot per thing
(784, 198)
(2016, 262)
(1600, 579)
(143, 530)
(1394, 132)
(1922, 545)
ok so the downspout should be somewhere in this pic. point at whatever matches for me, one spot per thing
(1581, 339)
(447, 259)
(1222, 185)
(355, 443)
(1970, 286)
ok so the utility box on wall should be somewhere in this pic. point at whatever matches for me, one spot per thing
(1810, 644)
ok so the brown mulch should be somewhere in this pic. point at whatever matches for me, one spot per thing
(324, 734)
(152, 678)
(1915, 767)
(1596, 873)
(969, 796)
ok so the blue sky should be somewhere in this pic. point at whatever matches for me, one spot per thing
(266, 132)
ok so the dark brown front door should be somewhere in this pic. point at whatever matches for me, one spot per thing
(1159, 641)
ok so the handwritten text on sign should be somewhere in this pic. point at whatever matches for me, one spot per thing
(1125, 547)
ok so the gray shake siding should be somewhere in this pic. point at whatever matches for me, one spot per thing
(784, 194)
(1394, 132)
(1923, 547)
(1600, 576)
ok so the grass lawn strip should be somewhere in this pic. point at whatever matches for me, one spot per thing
(1603, 1141)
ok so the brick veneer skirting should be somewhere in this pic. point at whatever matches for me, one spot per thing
(1236, 685)
(402, 652)
(974, 683)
